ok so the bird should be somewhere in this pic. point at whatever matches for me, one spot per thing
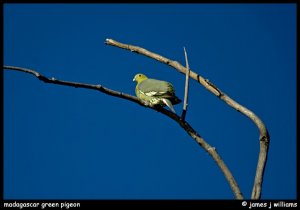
(154, 92)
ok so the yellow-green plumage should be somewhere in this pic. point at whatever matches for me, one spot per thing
(155, 92)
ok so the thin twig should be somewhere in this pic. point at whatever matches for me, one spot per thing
(186, 88)
(264, 137)
(211, 150)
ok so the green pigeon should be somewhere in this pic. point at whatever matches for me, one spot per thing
(155, 92)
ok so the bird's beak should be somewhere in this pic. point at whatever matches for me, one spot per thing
(133, 79)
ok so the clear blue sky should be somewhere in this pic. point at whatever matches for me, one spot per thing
(68, 143)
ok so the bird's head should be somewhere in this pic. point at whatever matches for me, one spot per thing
(139, 78)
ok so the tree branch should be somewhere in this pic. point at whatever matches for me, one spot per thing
(264, 137)
(211, 150)
(186, 89)
(76, 84)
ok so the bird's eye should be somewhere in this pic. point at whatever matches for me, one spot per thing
(140, 75)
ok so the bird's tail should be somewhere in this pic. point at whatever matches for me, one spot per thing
(169, 104)
(174, 99)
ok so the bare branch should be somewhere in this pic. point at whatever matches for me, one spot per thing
(76, 84)
(186, 89)
(262, 159)
(211, 150)
(264, 137)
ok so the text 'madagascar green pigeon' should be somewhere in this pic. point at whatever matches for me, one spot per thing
(155, 92)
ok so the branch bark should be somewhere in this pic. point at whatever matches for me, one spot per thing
(185, 125)
(264, 137)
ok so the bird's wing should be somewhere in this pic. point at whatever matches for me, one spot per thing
(152, 87)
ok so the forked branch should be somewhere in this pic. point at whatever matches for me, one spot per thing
(211, 150)
(264, 137)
